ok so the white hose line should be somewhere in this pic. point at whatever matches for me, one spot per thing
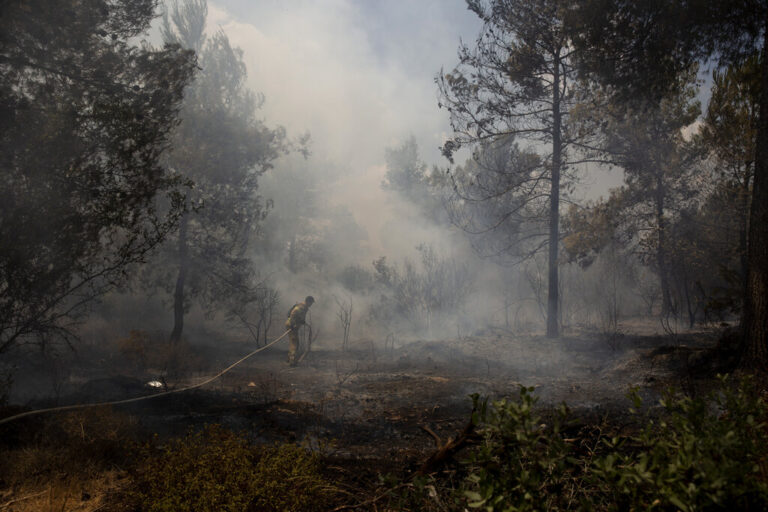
(147, 397)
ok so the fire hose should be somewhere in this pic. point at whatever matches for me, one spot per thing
(140, 398)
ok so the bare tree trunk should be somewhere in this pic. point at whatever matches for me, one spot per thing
(743, 230)
(507, 304)
(554, 209)
(178, 294)
(755, 319)
(292, 255)
(688, 300)
(661, 248)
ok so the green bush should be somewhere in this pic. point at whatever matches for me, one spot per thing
(708, 453)
(522, 464)
(423, 493)
(215, 470)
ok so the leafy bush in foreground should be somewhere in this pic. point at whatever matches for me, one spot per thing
(707, 453)
(521, 464)
(703, 454)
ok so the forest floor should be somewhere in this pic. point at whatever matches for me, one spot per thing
(365, 409)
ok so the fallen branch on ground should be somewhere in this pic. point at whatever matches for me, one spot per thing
(8, 504)
(446, 450)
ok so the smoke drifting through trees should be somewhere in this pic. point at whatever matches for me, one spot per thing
(519, 83)
(223, 149)
(157, 223)
(650, 55)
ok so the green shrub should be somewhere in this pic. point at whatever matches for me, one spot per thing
(217, 470)
(521, 464)
(424, 493)
(708, 453)
(703, 454)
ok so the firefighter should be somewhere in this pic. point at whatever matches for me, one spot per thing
(296, 318)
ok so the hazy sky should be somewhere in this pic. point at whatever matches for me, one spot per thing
(359, 75)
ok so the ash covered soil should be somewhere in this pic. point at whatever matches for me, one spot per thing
(371, 401)
(366, 409)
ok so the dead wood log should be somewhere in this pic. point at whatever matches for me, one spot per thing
(446, 450)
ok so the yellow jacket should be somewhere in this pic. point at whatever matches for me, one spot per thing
(297, 316)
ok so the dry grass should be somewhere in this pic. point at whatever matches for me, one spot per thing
(65, 462)
(65, 493)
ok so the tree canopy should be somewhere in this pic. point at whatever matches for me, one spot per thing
(519, 82)
(223, 148)
(641, 49)
(85, 118)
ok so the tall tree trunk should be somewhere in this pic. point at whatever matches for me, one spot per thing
(755, 320)
(661, 247)
(743, 230)
(688, 301)
(178, 294)
(292, 255)
(554, 209)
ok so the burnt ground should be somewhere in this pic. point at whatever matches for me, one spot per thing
(364, 408)
(368, 403)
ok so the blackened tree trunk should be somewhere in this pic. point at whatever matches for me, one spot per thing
(743, 232)
(178, 294)
(755, 320)
(518, 84)
(292, 255)
(554, 208)
(661, 246)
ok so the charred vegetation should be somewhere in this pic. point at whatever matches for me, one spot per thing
(545, 292)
